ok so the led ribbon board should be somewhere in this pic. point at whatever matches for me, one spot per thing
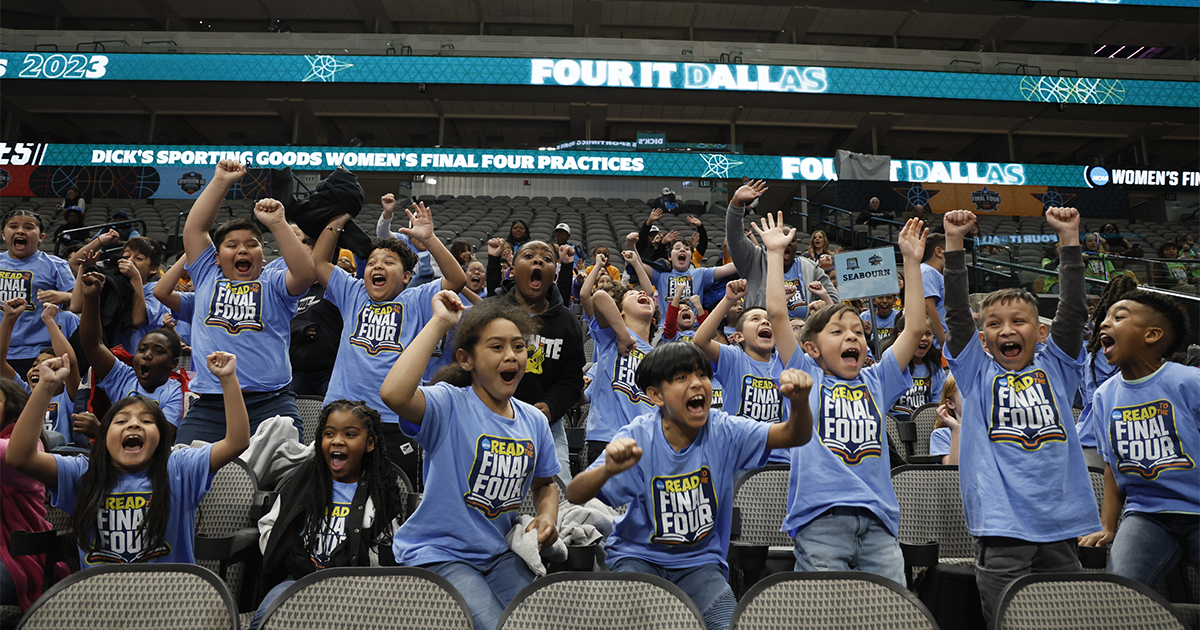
(595, 73)
(1148, 3)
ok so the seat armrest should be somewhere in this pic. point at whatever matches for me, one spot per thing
(925, 459)
(1093, 557)
(922, 555)
(226, 547)
(748, 557)
(32, 543)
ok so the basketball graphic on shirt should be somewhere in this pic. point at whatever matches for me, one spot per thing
(379, 327)
(685, 507)
(236, 306)
(118, 525)
(1146, 440)
(850, 422)
(497, 481)
(625, 377)
(760, 399)
(1023, 411)
(17, 284)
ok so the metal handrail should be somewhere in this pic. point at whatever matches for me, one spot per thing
(88, 229)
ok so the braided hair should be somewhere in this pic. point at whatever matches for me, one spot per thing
(1119, 286)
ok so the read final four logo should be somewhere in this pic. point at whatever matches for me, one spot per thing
(236, 306)
(760, 399)
(497, 481)
(625, 377)
(684, 507)
(1146, 440)
(1023, 411)
(17, 284)
(118, 524)
(850, 423)
(378, 328)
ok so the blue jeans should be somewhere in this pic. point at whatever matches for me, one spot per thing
(206, 419)
(849, 539)
(1147, 546)
(706, 584)
(272, 595)
(559, 431)
(488, 589)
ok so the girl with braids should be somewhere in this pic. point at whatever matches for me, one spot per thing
(1096, 370)
(484, 451)
(339, 509)
(132, 499)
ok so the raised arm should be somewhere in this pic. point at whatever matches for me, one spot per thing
(1071, 316)
(301, 272)
(620, 455)
(91, 337)
(632, 241)
(13, 309)
(22, 444)
(495, 275)
(912, 243)
(62, 347)
(702, 244)
(237, 420)
(327, 244)
(641, 269)
(797, 429)
(962, 331)
(401, 388)
(741, 250)
(138, 298)
(383, 228)
(204, 212)
(585, 291)
(776, 239)
(703, 339)
(566, 272)
(164, 289)
(95, 245)
(453, 276)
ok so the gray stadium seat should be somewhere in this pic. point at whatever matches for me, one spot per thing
(1079, 601)
(830, 601)
(601, 601)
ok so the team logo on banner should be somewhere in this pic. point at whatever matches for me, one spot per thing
(191, 182)
(118, 523)
(5, 178)
(1023, 411)
(379, 327)
(17, 284)
(1146, 440)
(236, 306)
(685, 507)
(850, 423)
(497, 480)
(986, 200)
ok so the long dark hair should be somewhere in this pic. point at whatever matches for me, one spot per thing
(470, 329)
(377, 473)
(1118, 286)
(100, 476)
(933, 356)
(14, 400)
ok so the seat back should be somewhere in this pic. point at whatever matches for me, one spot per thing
(931, 509)
(370, 598)
(136, 597)
(608, 601)
(893, 434)
(225, 510)
(829, 600)
(1068, 601)
(310, 415)
(925, 418)
(760, 497)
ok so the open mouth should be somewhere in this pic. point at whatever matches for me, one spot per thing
(1107, 343)
(509, 376)
(20, 240)
(695, 404)
(243, 266)
(144, 370)
(924, 345)
(851, 356)
(378, 280)
(644, 300)
(132, 443)
(535, 279)
(765, 333)
(33, 379)
(337, 460)
(1010, 349)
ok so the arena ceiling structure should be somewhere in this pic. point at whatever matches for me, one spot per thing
(1046, 41)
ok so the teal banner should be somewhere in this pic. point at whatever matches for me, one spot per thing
(681, 165)
(595, 73)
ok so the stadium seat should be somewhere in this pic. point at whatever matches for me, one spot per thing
(830, 601)
(1079, 601)
(369, 598)
(601, 601)
(924, 417)
(310, 415)
(756, 545)
(136, 597)
(227, 531)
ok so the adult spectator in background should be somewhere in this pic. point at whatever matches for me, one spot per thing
(562, 236)
(751, 260)
(652, 241)
(124, 232)
(917, 212)
(753, 205)
(73, 199)
(518, 234)
(667, 202)
(73, 215)
(872, 212)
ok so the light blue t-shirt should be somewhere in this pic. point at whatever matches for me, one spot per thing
(685, 283)
(939, 442)
(848, 452)
(23, 278)
(154, 316)
(120, 541)
(374, 334)
(926, 388)
(58, 414)
(122, 381)
(935, 287)
(278, 263)
(884, 326)
(752, 388)
(1149, 433)
(479, 467)
(334, 533)
(797, 303)
(1021, 469)
(250, 319)
(1086, 427)
(183, 319)
(681, 504)
(616, 398)
(718, 395)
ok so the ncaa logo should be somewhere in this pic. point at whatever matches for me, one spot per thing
(1096, 176)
